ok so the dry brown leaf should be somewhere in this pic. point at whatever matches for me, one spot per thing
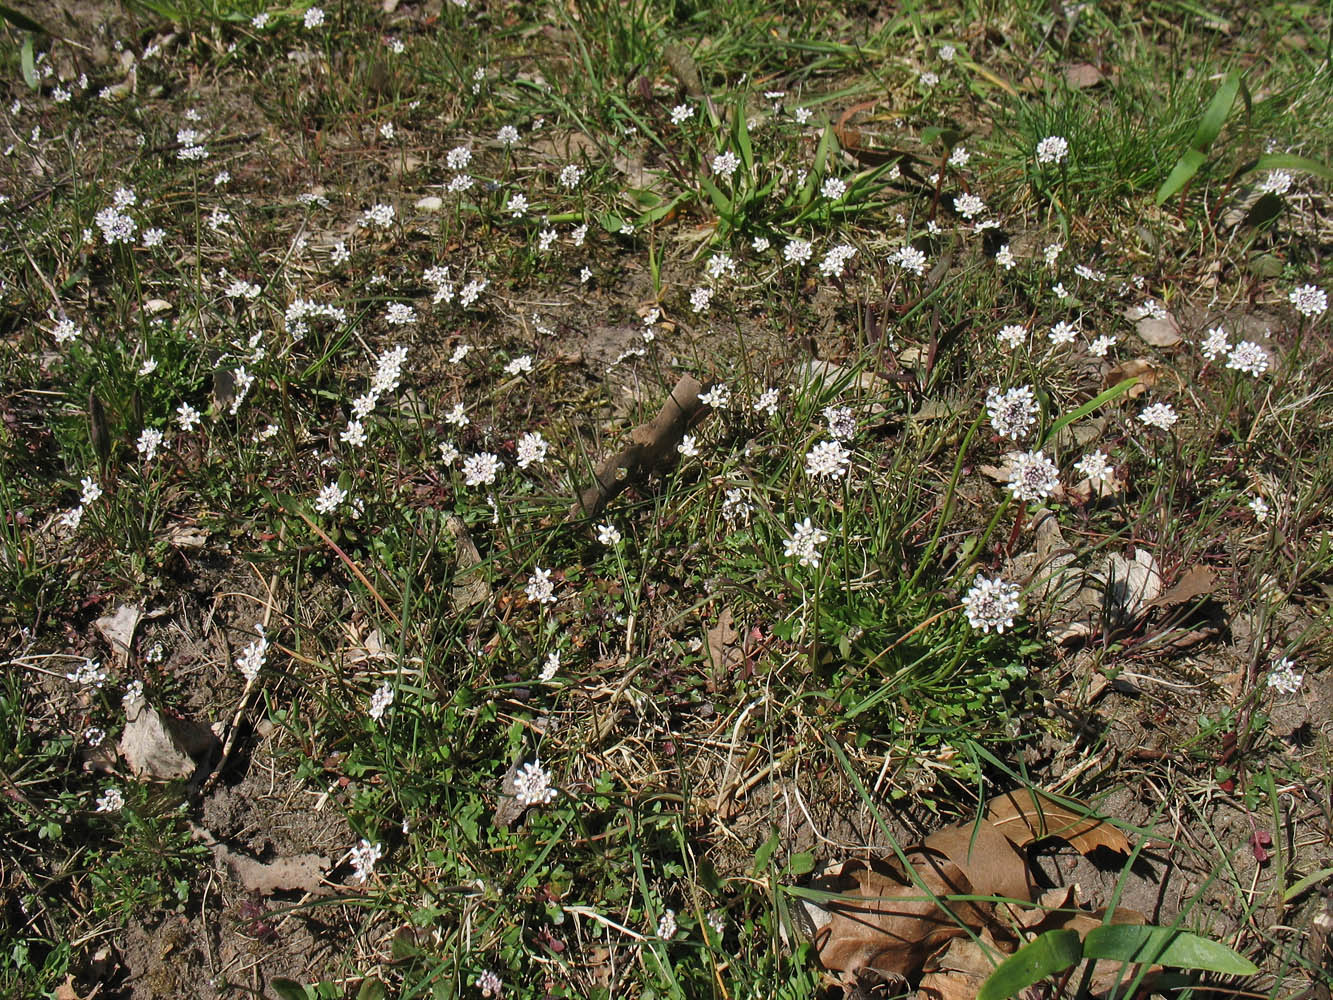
(118, 628)
(1198, 581)
(159, 748)
(66, 991)
(889, 921)
(1028, 815)
(959, 970)
(1082, 75)
(721, 643)
(1144, 371)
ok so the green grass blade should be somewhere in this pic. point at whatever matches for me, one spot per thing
(1044, 956)
(1164, 946)
(1300, 886)
(1101, 399)
(1289, 161)
(28, 63)
(21, 20)
(740, 134)
(1210, 127)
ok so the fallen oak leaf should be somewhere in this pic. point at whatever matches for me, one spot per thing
(1029, 815)
(1198, 581)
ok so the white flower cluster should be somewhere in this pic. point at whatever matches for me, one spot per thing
(532, 785)
(804, 543)
(251, 659)
(991, 604)
(363, 858)
(1012, 412)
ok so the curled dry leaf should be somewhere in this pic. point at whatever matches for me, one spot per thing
(117, 629)
(159, 748)
(1028, 815)
(1137, 368)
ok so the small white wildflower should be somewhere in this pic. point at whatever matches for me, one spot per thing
(718, 396)
(1259, 506)
(959, 157)
(947, 52)
(88, 674)
(488, 982)
(688, 446)
(448, 453)
(608, 535)
(827, 460)
(1094, 467)
(111, 801)
(725, 164)
(92, 491)
(1284, 678)
(508, 135)
(833, 188)
(1101, 345)
(1248, 357)
(1160, 415)
(681, 113)
(353, 434)
(928, 79)
(797, 251)
(991, 604)
(767, 401)
(532, 785)
(1215, 343)
(666, 925)
(380, 701)
(1052, 252)
(1033, 476)
(760, 244)
(1005, 258)
(251, 660)
(802, 116)
(400, 314)
(458, 158)
(531, 450)
(570, 176)
(481, 469)
(380, 216)
(330, 498)
(1052, 149)
(804, 543)
(149, 441)
(1013, 336)
(969, 206)
(1276, 182)
(314, 17)
(1063, 333)
(1012, 412)
(551, 666)
(517, 205)
(363, 859)
(700, 298)
(520, 365)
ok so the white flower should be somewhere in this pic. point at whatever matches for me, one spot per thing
(481, 469)
(1248, 357)
(725, 164)
(833, 188)
(1161, 415)
(802, 115)
(457, 416)
(1013, 335)
(387, 130)
(363, 858)
(1215, 343)
(700, 298)
(827, 460)
(380, 700)
(314, 17)
(836, 259)
(488, 982)
(1033, 476)
(718, 397)
(570, 176)
(521, 365)
(909, 258)
(736, 508)
(91, 490)
(959, 157)
(400, 314)
(551, 666)
(531, 449)
(1063, 333)
(260, 20)
(804, 543)
(1012, 412)
(928, 79)
(666, 925)
(380, 216)
(767, 401)
(1052, 149)
(1005, 258)
(1283, 677)
(1309, 300)
(458, 158)
(1094, 467)
(89, 674)
(540, 588)
(841, 422)
(797, 251)
(111, 801)
(354, 434)
(71, 519)
(149, 441)
(470, 291)
(688, 446)
(947, 52)
(532, 785)
(460, 352)
(991, 604)
(1276, 182)
(517, 205)
(1099, 347)
(251, 660)
(1052, 252)
(968, 205)
(330, 498)
(507, 135)
(608, 535)
(1260, 508)
(681, 113)
(760, 244)
(64, 331)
